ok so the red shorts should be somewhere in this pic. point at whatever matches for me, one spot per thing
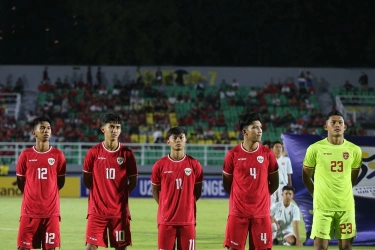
(259, 229)
(39, 233)
(118, 230)
(185, 236)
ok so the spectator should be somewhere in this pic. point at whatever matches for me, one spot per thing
(363, 81)
(301, 80)
(157, 135)
(159, 76)
(4, 168)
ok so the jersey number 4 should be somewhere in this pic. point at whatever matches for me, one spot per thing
(337, 166)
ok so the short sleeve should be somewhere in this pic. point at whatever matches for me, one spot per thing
(155, 174)
(88, 163)
(310, 159)
(199, 172)
(131, 164)
(289, 165)
(358, 158)
(61, 171)
(21, 165)
(228, 165)
(296, 213)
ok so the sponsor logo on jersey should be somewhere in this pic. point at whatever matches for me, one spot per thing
(51, 161)
(101, 158)
(187, 171)
(345, 155)
(260, 159)
(242, 159)
(120, 160)
(33, 160)
(168, 172)
(327, 153)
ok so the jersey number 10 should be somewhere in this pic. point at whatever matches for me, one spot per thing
(111, 173)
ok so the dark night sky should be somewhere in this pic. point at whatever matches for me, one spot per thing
(208, 33)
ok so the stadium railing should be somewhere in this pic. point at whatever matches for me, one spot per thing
(146, 154)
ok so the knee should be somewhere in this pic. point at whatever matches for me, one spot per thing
(90, 247)
(345, 246)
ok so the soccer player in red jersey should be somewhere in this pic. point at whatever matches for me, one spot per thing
(41, 173)
(110, 173)
(176, 186)
(250, 176)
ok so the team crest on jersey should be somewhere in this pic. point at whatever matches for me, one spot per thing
(260, 159)
(51, 161)
(187, 171)
(120, 160)
(345, 155)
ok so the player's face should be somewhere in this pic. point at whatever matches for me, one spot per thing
(42, 131)
(335, 126)
(111, 131)
(253, 132)
(177, 142)
(288, 195)
(277, 149)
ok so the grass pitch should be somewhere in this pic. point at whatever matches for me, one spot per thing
(211, 220)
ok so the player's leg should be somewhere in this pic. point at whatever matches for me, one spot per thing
(346, 229)
(236, 232)
(322, 229)
(96, 233)
(289, 237)
(29, 236)
(51, 233)
(119, 233)
(260, 233)
(186, 237)
(166, 236)
(275, 234)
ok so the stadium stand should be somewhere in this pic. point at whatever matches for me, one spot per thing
(209, 114)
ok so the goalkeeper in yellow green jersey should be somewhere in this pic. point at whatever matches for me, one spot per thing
(330, 170)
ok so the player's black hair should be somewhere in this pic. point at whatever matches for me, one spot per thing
(332, 113)
(40, 119)
(267, 143)
(288, 188)
(276, 142)
(110, 117)
(247, 119)
(175, 131)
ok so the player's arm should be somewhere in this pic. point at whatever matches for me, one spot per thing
(227, 182)
(21, 182)
(132, 182)
(296, 231)
(60, 181)
(273, 181)
(155, 192)
(307, 174)
(356, 167)
(87, 179)
(198, 190)
(290, 180)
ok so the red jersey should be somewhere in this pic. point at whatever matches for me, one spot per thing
(41, 194)
(177, 180)
(250, 195)
(110, 170)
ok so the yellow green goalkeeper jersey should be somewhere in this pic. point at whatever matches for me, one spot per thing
(332, 176)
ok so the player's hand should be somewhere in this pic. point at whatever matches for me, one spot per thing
(299, 243)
